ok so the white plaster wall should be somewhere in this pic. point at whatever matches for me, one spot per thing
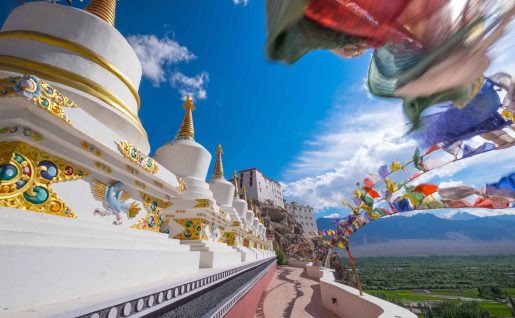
(44, 259)
(184, 158)
(62, 58)
(223, 191)
(304, 215)
(241, 207)
(349, 304)
(249, 217)
(262, 188)
(109, 127)
(92, 32)
(81, 27)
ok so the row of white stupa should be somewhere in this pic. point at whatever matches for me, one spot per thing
(73, 152)
(232, 222)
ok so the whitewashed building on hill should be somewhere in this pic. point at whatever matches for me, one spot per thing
(260, 188)
(304, 215)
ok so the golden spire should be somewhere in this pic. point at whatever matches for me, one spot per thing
(187, 131)
(245, 193)
(235, 182)
(104, 9)
(219, 167)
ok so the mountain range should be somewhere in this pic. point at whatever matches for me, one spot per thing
(424, 233)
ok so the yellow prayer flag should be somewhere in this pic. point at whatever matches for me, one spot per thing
(396, 165)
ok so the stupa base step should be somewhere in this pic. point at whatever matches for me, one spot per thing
(214, 254)
(246, 254)
(54, 251)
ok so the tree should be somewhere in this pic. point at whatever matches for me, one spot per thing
(451, 310)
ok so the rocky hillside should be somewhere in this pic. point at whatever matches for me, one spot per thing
(286, 231)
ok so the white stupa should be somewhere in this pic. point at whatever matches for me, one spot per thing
(196, 217)
(240, 205)
(187, 158)
(106, 224)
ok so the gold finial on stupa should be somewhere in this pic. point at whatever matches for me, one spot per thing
(219, 167)
(245, 193)
(187, 131)
(235, 183)
(104, 9)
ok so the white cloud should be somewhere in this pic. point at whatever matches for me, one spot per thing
(332, 216)
(353, 144)
(358, 140)
(503, 53)
(192, 86)
(157, 54)
(242, 2)
(350, 147)
(450, 184)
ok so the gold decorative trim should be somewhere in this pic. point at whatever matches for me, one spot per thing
(187, 129)
(104, 9)
(38, 92)
(103, 167)
(182, 185)
(203, 203)
(140, 184)
(194, 229)
(219, 167)
(26, 177)
(74, 47)
(135, 155)
(22, 131)
(230, 238)
(59, 75)
(90, 148)
(132, 170)
(154, 219)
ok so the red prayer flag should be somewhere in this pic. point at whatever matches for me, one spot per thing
(430, 149)
(376, 20)
(426, 188)
(373, 193)
(368, 183)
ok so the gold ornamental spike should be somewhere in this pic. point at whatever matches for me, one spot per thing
(104, 9)
(187, 131)
(245, 193)
(219, 167)
(235, 182)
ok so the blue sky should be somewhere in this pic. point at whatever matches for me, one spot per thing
(311, 126)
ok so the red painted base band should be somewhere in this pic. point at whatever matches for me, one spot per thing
(247, 306)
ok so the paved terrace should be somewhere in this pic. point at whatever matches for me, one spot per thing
(292, 294)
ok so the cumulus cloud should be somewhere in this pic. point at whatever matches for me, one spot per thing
(332, 216)
(192, 86)
(242, 2)
(450, 184)
(503, 53)
(350, 147)
(355, 143)
(157, 54)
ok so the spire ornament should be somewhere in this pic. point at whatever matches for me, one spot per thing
(245, 194)
(187, 130)
(104, 9)
(219, 167)
(235, 183)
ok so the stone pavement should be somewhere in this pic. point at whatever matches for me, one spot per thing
(292, 294)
